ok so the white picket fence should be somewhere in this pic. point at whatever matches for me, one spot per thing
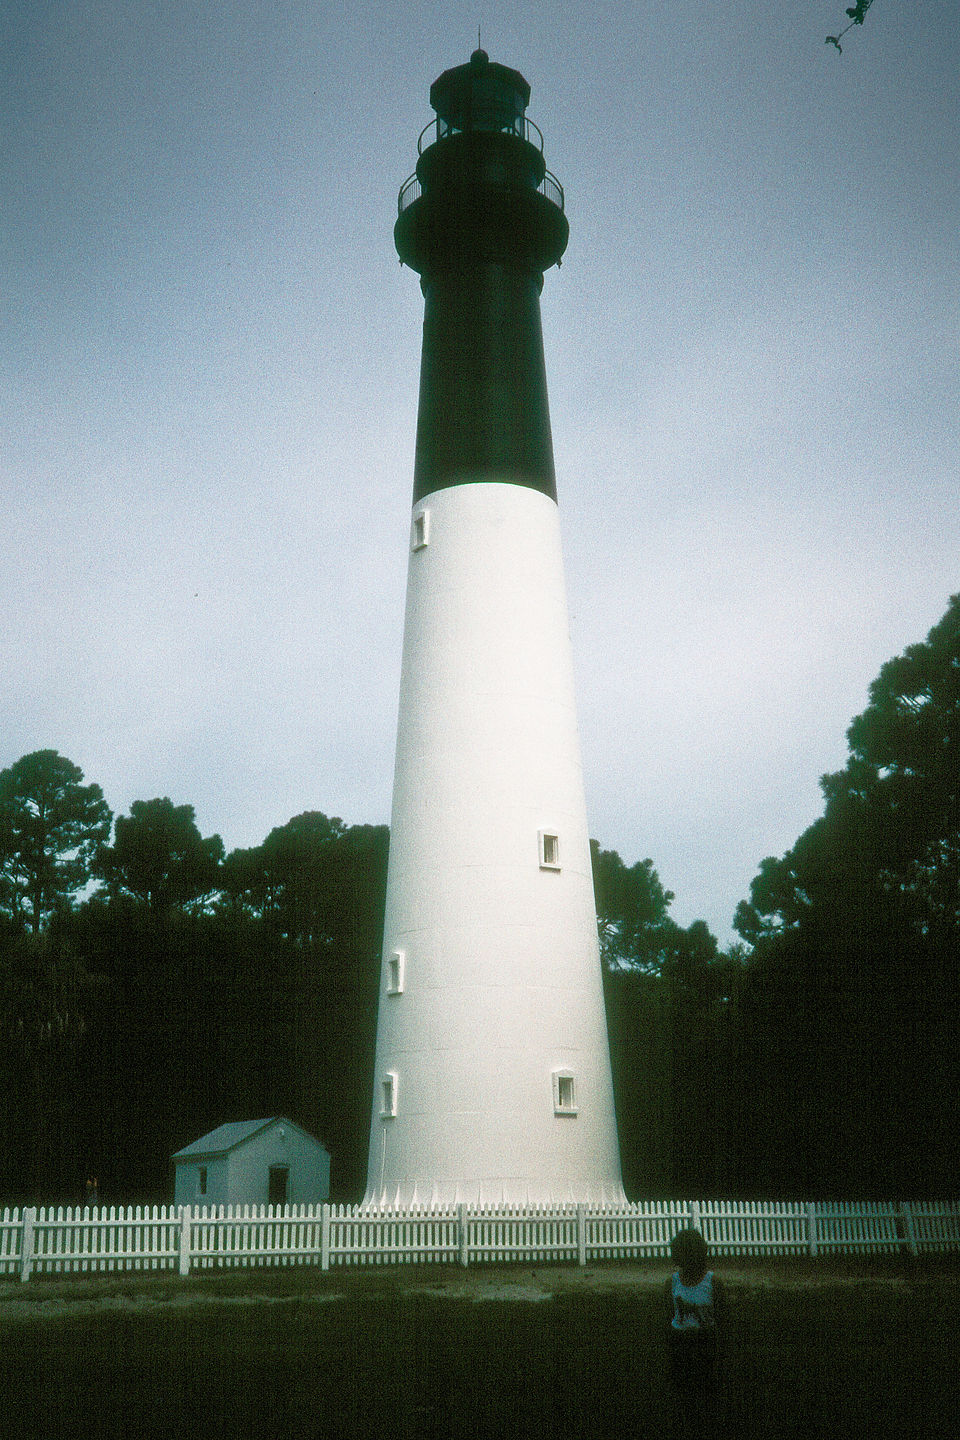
(85, 1241)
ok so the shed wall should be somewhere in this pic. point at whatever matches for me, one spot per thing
(186, 1190)
(306, 1159)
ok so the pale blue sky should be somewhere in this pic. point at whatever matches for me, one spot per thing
(209, 359)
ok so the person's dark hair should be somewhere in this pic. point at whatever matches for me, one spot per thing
(689, 1251)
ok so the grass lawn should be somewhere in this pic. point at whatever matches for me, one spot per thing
(815, 1348)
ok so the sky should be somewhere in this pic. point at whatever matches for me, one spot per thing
(209, 361)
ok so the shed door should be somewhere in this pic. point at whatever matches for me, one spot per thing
(279, 1176)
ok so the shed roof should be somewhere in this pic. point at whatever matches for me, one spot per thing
(226, 1137)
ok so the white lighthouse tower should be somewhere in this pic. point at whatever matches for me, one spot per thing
(492, 1072)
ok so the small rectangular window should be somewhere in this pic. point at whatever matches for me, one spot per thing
(388, 1095)
(564, 1093)
(202, 1178)
(421, 530)
(549, 850)
(395, 969)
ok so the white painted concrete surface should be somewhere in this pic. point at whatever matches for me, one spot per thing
(501, 983)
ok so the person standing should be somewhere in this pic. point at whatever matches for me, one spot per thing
(696, 1304)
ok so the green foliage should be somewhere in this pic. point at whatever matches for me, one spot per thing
(45, 995)
(637, 934)
(888, 842)
(315, 881)
(49, 1008)
(187, 990)
(667, 991)
(51, 827)
(160, 857)
(285, 880)
(855, 933)
(904, 776)
(312, 896)
(632, 908)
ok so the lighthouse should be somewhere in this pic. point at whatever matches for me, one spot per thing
(492, 1081)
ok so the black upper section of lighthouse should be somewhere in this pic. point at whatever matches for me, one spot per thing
(480, 220)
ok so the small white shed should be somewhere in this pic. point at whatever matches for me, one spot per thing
(253, 1162)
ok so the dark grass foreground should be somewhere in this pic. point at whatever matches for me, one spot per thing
(852, 1353)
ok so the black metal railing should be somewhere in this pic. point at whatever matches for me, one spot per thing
(551, 187)
(520, 125)
(438, 129)
(410, 190)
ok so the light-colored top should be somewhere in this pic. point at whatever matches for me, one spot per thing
(693, 1304)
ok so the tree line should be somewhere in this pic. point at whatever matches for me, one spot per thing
(819, 1057)
(153, 986)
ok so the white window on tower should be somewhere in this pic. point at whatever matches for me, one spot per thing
(388, 1095)
(549, 850)
(421, 530)
(564, 1093)
(395, 967)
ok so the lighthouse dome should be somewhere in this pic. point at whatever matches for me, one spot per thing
(482, 95)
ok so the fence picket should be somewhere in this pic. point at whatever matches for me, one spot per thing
(69, 1240)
